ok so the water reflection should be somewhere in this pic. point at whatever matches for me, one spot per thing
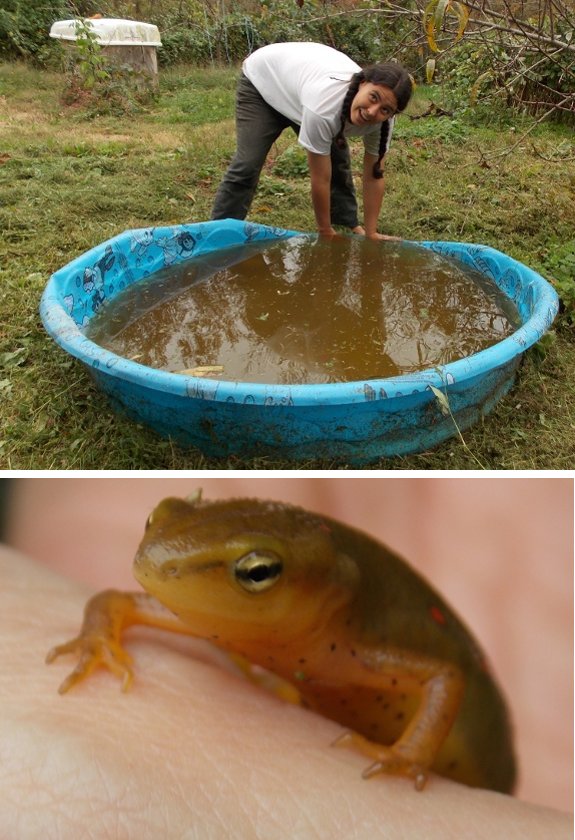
(311, 311)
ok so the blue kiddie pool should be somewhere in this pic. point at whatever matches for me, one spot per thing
(348, 422)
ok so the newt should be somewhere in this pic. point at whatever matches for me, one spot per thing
(362, 638)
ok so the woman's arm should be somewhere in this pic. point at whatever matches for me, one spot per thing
(373, 189)
(320, 176)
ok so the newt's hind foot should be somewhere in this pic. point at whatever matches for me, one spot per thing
(386, 759)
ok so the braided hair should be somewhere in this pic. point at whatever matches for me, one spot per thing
(388, 74)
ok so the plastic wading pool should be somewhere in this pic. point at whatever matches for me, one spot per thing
(348, 422)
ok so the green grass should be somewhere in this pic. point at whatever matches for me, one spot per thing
(68, 182)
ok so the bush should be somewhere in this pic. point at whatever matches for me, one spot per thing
(25, 28)
(221, 42)
(196, 33)
(359, 33)
(488, 72)
(228, 39)
(99, 85)
(526, 64)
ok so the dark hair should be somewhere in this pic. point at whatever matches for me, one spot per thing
(390, 75)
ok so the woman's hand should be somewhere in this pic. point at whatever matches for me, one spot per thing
(360, 231)
(378, 236)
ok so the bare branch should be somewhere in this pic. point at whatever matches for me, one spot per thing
(528, 32)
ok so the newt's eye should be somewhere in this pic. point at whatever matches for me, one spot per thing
(258, 571)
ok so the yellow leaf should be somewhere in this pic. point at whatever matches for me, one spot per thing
(430, 70)
(440, 10)
(429, 24)
(201, 370)
(434, 17)
(462, 12)
(442, 400)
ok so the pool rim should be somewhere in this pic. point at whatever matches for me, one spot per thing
(67, 334)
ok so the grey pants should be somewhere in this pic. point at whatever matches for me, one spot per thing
(258, 126)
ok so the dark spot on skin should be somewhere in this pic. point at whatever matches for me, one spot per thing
(352, 652)
(302, 661)
(437, 615)
(452, 765)
(332, 646)
(379, 698)
(373, 727)
(271, 659)
(403, 697)
(386, 706)
(215, 636)
(394, 681)
(343, 702)
(399, 716)
(348, 622)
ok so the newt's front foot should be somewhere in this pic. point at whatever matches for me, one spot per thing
(386, 759)
(94, 650)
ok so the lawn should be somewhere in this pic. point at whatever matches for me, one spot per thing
(69, 180)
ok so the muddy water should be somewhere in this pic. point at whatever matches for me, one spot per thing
(301, 311)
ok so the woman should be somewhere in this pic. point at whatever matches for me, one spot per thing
(325, 97)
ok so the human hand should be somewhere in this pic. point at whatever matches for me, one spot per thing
(193, 749)
(382, 237)
(499, 550)
(360, 231)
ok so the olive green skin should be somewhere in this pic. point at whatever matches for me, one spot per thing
(395, 604)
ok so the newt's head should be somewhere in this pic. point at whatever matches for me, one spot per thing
(242, 570)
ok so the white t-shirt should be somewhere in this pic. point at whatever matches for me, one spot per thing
(307, 83)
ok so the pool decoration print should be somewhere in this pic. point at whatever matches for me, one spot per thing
(346, 422)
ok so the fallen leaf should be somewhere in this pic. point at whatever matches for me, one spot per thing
(442, 400)
(201, 370)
